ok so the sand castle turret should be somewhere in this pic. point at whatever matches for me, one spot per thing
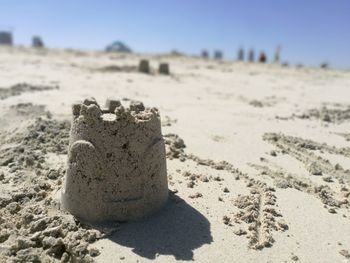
(164, 69)
(144, 66)
(116, 162)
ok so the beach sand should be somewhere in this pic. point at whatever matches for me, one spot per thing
(258, 159)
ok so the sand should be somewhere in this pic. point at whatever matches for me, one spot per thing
(257, 159)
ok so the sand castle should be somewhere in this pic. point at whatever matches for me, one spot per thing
(144, 66)
(164, 69)
(116, 162)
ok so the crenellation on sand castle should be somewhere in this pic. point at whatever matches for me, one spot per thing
(111, 105)
(116, 162)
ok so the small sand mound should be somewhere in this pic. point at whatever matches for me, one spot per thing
(20, 88)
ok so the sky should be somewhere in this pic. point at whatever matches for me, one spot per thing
(310, 31)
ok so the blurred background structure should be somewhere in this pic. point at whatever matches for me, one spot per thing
(218, 55)
(205, 54)
(251, 56)
(6, 37)
(118, 46)
(310, 32)
(240, 54)
(37, 42)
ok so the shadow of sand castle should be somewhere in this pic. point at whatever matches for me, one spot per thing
(176, 230)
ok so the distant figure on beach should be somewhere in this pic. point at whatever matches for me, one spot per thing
(37, 42)
(218, 54)
(205, 54)
(251, 56)
(276, 58)
(6, 38)
(262, 57)
(324, 65)
(240, 56)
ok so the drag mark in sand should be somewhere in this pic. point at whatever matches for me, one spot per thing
(258, 209)
(338, 114)
(313, 146)
(324, 193)
(301, 150)
(34, 226)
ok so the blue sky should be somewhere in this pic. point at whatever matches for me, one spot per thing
(309, 31)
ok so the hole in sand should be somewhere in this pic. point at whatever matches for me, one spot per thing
(109, 117)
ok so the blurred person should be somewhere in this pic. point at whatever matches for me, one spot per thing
(251, 56)
(240, 56)
(276, 58)
(205, 54)
(37, 42)
(262, 57)
(218, 54)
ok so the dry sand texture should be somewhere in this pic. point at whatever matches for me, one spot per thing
(258, 159)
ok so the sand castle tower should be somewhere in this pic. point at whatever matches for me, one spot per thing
(164, 69)
(144, 66)
(205, 54)
(116, 163)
